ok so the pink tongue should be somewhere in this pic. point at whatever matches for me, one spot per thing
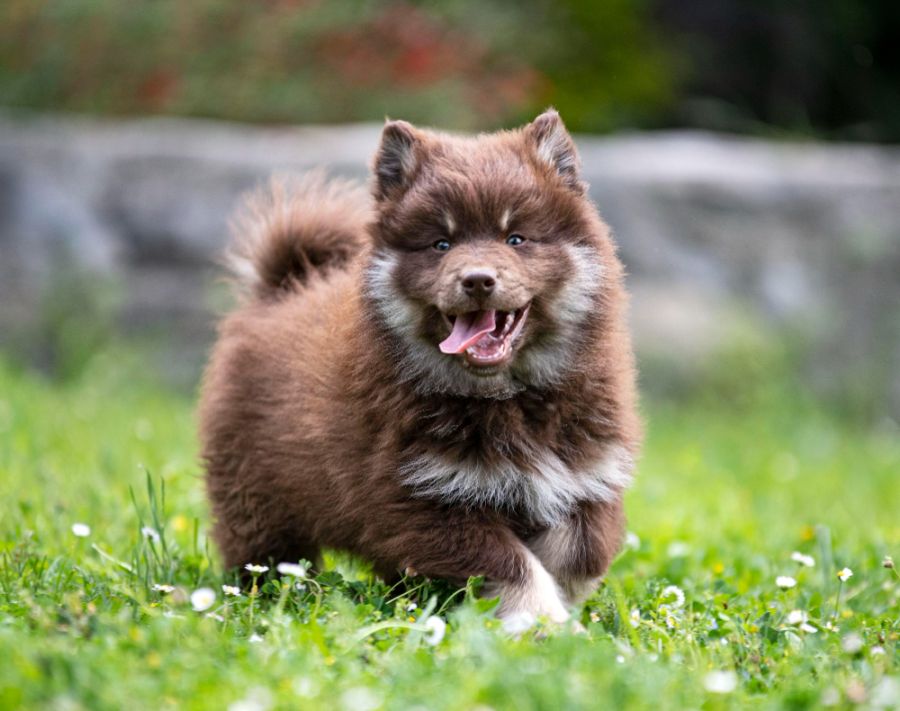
(467, 329)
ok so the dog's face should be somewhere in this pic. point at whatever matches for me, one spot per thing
(486, 263)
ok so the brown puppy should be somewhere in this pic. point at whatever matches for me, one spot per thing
(440, 381)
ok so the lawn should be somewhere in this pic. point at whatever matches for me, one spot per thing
(733, 482)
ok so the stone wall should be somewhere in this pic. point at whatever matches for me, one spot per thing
(718, 233)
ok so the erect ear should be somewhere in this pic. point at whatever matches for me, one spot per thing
(397, 158)
(554, 147)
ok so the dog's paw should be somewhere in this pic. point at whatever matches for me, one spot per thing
(524, 603)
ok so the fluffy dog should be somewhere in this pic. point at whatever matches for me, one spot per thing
(439, 379)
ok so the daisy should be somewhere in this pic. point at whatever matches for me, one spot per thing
(670, 619)
(258, 569)
(888, 562)
(806, 561)
(676, 592)
(203, 599)
(298, 571)
(844, 574)
(720, 682)
(436, 629)
(82, 530)
(163, 588)
(797, 617)
(231, 590)
(635, 617)
(852, 643)
(151, 534)
(785, 582)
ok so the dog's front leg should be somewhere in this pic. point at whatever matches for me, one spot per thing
(459, 544)
(578, 551)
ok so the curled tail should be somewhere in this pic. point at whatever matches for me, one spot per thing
(296, 228)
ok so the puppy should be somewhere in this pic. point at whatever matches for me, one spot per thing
(439, 379)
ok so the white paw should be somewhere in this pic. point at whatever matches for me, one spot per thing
(537, 597)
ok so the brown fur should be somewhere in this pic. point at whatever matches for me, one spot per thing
(326, 392)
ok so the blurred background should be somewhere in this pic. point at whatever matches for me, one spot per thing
(744, 152)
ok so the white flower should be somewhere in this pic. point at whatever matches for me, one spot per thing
(150, 534)
(254, 638)
(852, 643)
(163, 588)
(785, 582)
(231, 590)
(678, 549)
(635, 617)
(830, 697)
(877, 650)
(676, 592)
(808, 628)
(805, 560)
(844, 574)
(412, 607)
(298, 571)
(670, 619)
(620, 659)
(632, 541)
(720, 682)
(888, 562)
(257, 699)
(797, 617)
(360, 698)
(203, 599)
(436, 629)
(82, 530)
(258, 569)
(214, 616)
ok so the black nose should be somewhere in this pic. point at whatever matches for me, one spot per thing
(479, 282)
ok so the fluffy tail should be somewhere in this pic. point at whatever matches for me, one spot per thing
(296, 228)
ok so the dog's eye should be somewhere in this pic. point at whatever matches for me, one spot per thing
(514, 240)
(441, 245)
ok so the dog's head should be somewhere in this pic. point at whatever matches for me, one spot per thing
(487, 257)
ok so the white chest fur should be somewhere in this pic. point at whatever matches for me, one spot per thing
(546, 490)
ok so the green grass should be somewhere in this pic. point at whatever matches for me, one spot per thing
(728, 488)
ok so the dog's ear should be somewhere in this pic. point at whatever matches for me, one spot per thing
(397, 159)
(553, 146)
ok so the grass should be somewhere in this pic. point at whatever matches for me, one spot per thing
(729, 487)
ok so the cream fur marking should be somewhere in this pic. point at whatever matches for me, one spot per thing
(556, 150)
(547, 362)
(504, 220)
(521, 604)
(451, 223)
(547, 490)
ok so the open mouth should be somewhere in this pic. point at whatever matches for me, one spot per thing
(485, 337)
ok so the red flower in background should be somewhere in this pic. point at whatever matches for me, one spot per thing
(405, 47)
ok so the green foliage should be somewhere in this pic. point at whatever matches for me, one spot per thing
(459, 64)
(727, 491)
(738, 65)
